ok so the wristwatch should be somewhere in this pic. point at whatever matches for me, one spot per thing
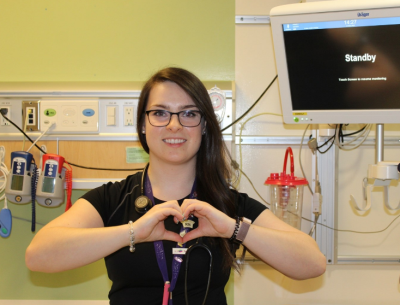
(243, 229)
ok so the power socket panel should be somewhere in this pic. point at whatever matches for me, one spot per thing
(30, 115)
(14, 108)
(117, 116)
(3, 121)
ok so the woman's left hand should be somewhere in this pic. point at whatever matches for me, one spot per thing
(212, 222)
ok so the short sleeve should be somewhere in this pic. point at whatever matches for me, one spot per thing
(98, 198)
(114, 196)
(248, 207)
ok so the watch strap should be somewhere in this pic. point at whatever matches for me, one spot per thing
(243, 230)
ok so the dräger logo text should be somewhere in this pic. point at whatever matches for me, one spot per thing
(363, 14)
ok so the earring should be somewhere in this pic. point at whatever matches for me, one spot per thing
(204, 132)
(143, 131)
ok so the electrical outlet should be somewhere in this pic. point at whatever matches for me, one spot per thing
(30, 115)
(3, 121)
(128, 116)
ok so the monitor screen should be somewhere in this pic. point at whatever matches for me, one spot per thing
(336, 69)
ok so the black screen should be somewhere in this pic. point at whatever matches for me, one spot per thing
(344, 68)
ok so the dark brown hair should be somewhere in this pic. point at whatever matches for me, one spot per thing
(213, 173)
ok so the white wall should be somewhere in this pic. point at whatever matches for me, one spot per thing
(259, 284)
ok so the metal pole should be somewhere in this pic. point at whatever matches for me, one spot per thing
(379, 143)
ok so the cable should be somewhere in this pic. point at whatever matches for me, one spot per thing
(316, 197)
(301, 166)
(314, 227)
(334, 229)
(73, 164)
(240, 138)
(34, 143)
(339, 137)
(34, 182)
(323, 152)
(28, 220)
(357, 232)
(24, 127)
(339, 134)
(252, 106)
(68, 183)
(254, 188)
(5, 172)
(363, 135)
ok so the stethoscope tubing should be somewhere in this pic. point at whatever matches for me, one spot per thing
(198, 244)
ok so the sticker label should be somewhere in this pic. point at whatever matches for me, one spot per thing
(88, 112)
(179, 251)
(136, 155)
(188, 224)
(50, 112)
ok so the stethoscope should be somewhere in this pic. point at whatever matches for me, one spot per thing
(199, 244)
(144, 204)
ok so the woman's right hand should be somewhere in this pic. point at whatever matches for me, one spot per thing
(150, 227)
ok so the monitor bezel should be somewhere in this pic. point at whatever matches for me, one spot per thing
(319, 12)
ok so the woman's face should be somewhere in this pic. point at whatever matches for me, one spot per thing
(173, 144)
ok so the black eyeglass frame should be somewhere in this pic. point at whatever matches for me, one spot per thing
(171, 114)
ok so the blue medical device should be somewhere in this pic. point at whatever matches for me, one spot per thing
(5, 222)
(18, 188)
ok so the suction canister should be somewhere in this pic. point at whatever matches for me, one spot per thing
(286, 193)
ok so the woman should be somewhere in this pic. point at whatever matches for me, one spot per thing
(188, 180)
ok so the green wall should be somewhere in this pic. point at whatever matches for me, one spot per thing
(105, 41)
(119, 40)
(17, 282)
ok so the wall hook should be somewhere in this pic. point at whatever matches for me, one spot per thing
(366, 199)
(386, 200)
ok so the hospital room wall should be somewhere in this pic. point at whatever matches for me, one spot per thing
(115, 41)
(259, 284)
(98, 41)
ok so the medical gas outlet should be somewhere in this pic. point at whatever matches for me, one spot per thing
(76, 116)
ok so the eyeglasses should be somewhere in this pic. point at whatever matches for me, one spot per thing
(187, 118)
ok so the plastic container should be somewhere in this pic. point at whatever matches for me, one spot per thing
(286, 194)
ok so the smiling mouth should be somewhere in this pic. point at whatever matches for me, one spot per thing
(174, 141)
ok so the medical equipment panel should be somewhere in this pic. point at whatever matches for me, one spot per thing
(70, 116)
(18, 188)
(50, 191)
